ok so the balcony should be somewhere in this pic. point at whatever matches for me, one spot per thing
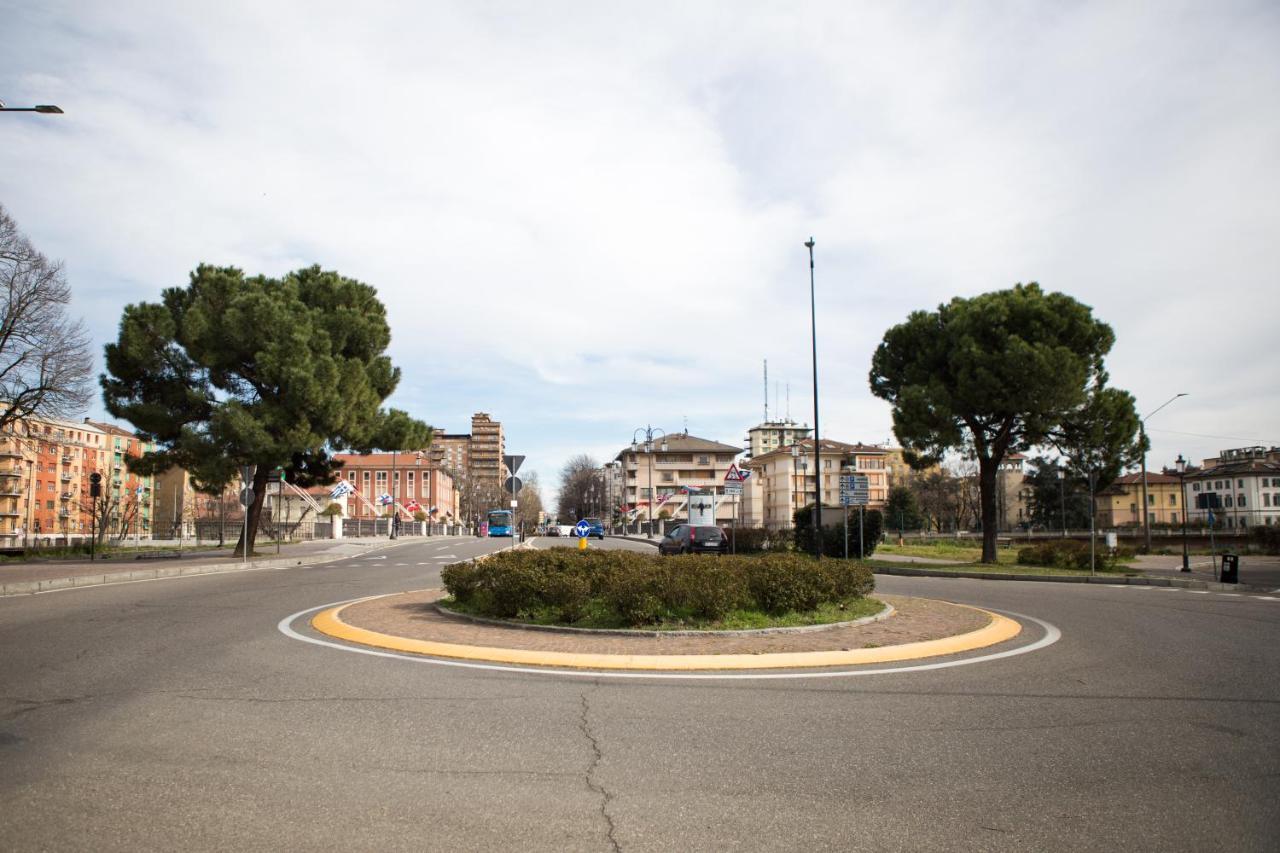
(10, 450)
(10, 512)
(11, 472)
(66, 496)
(66, 478)
(64, 513)
(66, 459)
(10, 491)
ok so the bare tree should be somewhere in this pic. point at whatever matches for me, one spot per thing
(576, 480)
(46, 365)
(530, 500)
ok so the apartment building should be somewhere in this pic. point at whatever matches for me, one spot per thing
(773, 435)
(129, 497)
(787, 479)
(486, 468)
(1244, 486)
(408, 477)
(451, 451)
(1119, 505)
(45, 467)
(659, 480)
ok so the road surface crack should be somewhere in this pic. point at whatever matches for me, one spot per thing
(584, 724)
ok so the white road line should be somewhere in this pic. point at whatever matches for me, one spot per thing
(1051, 636)
(1198, 591)
(1229, 594)
(402, 564)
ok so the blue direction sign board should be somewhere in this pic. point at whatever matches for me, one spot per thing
(582, 529)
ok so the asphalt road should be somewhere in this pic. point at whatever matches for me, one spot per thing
(174, 714)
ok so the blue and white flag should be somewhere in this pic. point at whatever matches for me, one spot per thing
(384, 499)
(342, 488)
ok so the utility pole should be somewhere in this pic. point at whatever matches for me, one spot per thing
(817, 433)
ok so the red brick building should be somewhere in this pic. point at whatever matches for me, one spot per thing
(407, 477)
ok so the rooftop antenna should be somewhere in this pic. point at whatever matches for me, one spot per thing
(788, 402)
(686, 424)
(766, 390)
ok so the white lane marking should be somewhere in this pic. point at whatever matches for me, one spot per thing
(1142, 588)
(1051, 636)
(1170, 589)
(1198, 591)
(446, 557)
(402, 564)
(1229, 594)
(375, 558)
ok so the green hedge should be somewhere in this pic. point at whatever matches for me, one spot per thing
(1071, 554)
(641, 589)
(1266, 538)
(833, 534)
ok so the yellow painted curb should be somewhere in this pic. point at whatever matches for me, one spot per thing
(1000, 629)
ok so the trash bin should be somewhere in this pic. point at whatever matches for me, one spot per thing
(1230, 568)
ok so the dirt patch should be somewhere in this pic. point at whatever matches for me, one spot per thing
(408, 615)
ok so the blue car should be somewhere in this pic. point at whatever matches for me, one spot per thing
(595, 531)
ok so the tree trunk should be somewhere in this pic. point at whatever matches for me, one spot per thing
(987, 470)
(254, 511)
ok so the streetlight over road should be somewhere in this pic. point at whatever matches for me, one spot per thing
(817, 434)
(38, 108)
(1142, 436)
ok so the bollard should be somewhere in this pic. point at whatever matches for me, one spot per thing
(582, 543)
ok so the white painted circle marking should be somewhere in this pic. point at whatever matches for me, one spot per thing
(1051, 636)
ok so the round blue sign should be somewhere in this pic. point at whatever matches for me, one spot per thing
(582, 528)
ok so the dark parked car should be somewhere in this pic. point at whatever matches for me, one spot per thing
(687, 539)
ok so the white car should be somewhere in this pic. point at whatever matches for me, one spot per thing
(566, 529)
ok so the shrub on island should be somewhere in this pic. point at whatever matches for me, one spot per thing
(634, 589)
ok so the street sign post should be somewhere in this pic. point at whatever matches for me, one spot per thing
(513, 463)
(513, 485)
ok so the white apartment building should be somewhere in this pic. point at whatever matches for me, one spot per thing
(655, 480)
(773, 435)
(786, 479)
(1245, 485)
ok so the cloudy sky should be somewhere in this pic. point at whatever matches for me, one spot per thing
(589, 217)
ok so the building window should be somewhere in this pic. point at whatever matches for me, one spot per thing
(409, 484)
(380, 482)
(1175, 518)
(1151, 500)
(1239, 484)
(1173, 500)
(1226, 501)
(1240, 502)
(1195, 487)
(706, 460)
(366, 481)
(396, 482)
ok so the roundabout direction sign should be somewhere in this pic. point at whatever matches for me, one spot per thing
(582, 529)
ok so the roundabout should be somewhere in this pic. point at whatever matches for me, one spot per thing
(910, 629)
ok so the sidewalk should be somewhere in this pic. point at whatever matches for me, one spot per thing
(27, 578)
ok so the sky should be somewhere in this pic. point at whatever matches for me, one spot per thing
(588, 218)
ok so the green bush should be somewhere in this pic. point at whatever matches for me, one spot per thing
(640, 589)
(833, 535)
(1072, 554)
(748, 540)
(1266, 539)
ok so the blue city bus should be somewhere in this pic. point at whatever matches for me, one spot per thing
(499, 522)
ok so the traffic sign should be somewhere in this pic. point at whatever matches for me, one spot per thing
(733, 488)
(734, 475)
(513, 463)
(513, 485)
(582, 529)
(246, 497)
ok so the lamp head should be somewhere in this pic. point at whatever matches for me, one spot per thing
(1181, 464)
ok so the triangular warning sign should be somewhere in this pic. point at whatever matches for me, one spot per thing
(734, 475)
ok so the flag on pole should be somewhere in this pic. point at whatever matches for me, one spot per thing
(413, 506)
(342, 488)
(384, 499)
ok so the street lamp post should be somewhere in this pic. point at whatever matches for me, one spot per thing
(1142, 436)
(649, 432)
(391, 525)
(817, 434)
(1062, 499)
(1182, 487)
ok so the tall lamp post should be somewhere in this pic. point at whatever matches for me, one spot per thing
(649, 432)
(817, 435)
(1182, 487)
(1142, 435)
(1062, 499)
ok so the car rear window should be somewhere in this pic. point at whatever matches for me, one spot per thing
(706, 533)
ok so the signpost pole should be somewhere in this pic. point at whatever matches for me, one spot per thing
(846, 529)
(860, 535)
